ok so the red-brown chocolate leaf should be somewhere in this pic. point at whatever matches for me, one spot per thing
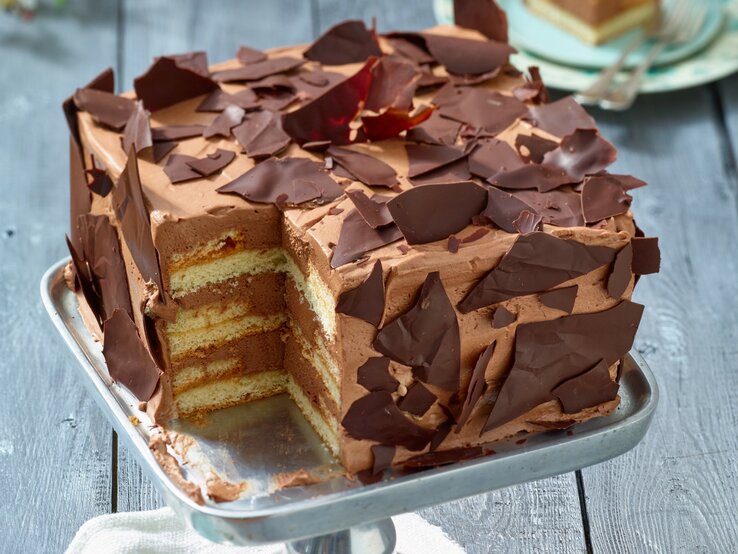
(288, 181)
(365, 302)
(535, 263)
(346, 42)
(167, 82)
(329, 115)
(375, 417)
(584, 152)
(429, 213)
(426, 337)
(547, 353)
(127, 358)
(357, 238)
(392, 122)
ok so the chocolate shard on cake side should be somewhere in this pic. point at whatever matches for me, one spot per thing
(369, 235)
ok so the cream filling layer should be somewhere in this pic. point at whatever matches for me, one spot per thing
(187, 375)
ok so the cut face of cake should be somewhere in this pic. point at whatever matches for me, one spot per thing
(597, 21)
(400, 232)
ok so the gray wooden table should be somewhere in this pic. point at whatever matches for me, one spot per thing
(60, 463)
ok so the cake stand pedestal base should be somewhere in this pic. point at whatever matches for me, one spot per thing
(370, 538)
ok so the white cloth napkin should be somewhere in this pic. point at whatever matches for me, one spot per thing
(162, 531)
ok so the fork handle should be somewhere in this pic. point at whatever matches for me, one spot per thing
(598, 90)
(623, 97)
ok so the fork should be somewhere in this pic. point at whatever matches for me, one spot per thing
(667, 31)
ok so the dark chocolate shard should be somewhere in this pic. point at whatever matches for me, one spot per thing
(375, 417)
(393, 84)
(587, 390)
(628, 182)
(178, 169)
(535, 263)
(646, 255)
(247, 55)
(475, 236)
(383, 456)
(444, 457)
(410, 46)
(107, 268)
(532, 148)
(532, 176)
(533, 90)
(584, 152)
(428, 157)
(357, 238)
(127, 358)
(560, 299)
(443, 430)
(482, 109)
(212, 163)
(287, 181)
(258, 70)
(467, 57)
(620, 273)
(477, 385)
(195, 61)
(435, 130)
(503, 318)
(167, 133)
(426, 337)
(547, 353)
(433, 212)
(560, 207)
(374, 375)
(261, 134)
(346, 42)
(528, 222)
(418, 400)
(492, 157)
(137, 134)
(374, 210)
(453, 244)
(366, 301)
(484, 16)
(83, 280)
(135, 224)
(363, 167)
(561, 118)
(167, 82)
(224, 122)
(603, 196)
(219, 100)
(328, 116)
(455, 172)
(106, 108)
(504, 209)
(101, 183)
(159, 150)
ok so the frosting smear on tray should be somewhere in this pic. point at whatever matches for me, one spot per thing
(401, 232)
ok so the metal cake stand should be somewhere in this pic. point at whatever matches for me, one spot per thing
(255, 442)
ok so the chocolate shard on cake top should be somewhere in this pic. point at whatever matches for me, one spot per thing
(383, 456)
(376, 417)
(374, 210)
(620, 273)
(171, 80)
(347, 42)
(101, 183)
(503, 317)
(259, 70)
(83, 279)
(589, 389)
(224, 122)
(482, 109)
(584, 152)
(604, 196)
(247, 55)
(365, 168)
(547, 353)
(492, 157)
(560, 299)
(286, 181)
(261, 134)
(128, 360)
(484, 16)
(374, 375)
(166, 133)
(477, 385)
(561, 118)
(357, 238)
(418, 400)
(535, 263)
(137, 134)
(533, 90)
(105, 107)
(533, 176)
(532, 148)
(461, 56)
(429, 213)
(426, 337)
(366, 301)
(435, 130)
(212, 163)
(504, 209)
(132, 213)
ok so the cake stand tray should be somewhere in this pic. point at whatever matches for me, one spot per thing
(257, 441)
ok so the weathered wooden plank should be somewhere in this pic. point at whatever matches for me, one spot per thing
(678, 490)
(155, 28)
(728, 89)
(542, 516)
(55, 463)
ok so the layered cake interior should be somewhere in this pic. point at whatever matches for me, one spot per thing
(597, 21)
(402, 232)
